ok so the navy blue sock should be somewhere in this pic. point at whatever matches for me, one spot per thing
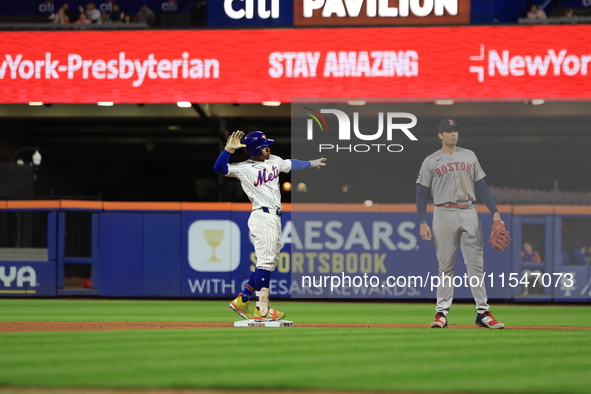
(248, 288)
(262, 278)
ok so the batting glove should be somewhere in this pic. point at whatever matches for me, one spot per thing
(234, 141)
(317, 163)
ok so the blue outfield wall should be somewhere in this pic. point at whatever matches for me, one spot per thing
(209, 254)
(161, 274)
(121, 254)
(140, 255)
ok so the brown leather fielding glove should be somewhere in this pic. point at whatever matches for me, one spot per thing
(499, 236)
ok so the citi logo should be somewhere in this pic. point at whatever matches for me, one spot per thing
(493, 62)
(107, 6)
(22, 275)
(47, 6)
(247, 10)
(170, 5)
(345, 126)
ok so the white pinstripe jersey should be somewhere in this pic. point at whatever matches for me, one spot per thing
(260, 180)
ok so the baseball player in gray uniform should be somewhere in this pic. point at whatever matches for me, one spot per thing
(452, 175)
(259, 177)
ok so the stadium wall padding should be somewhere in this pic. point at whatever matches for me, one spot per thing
(203, 250)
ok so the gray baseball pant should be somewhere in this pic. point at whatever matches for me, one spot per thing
(453, 226)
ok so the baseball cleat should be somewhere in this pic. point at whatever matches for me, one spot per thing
(486, 320)
(440, 321)
(241, 307)
(272, 315)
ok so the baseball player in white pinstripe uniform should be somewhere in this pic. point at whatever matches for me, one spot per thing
(259, 177)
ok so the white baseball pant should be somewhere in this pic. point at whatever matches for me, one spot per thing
(265, 229)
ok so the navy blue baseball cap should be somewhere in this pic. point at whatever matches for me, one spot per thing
(448, 124)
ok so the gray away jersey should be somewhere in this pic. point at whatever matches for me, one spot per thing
(260, 180)
(451, 176)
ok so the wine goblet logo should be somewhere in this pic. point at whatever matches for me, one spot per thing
(214, 239)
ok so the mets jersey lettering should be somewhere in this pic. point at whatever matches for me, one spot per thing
(264, 178)
(260, 180)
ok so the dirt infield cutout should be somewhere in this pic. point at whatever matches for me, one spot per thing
(28, 326)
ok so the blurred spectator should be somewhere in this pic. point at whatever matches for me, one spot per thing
(564, 260)
(569, 13)
(62, 16)
(92, 13)
(564, 13)
(116, 15)
(528, 254)
(146, 16)
(83, 20)
(579, 255)
(127, 18)
(535, 13)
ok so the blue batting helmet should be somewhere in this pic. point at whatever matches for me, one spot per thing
(255, 141)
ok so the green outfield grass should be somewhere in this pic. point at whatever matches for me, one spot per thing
(383, 359)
